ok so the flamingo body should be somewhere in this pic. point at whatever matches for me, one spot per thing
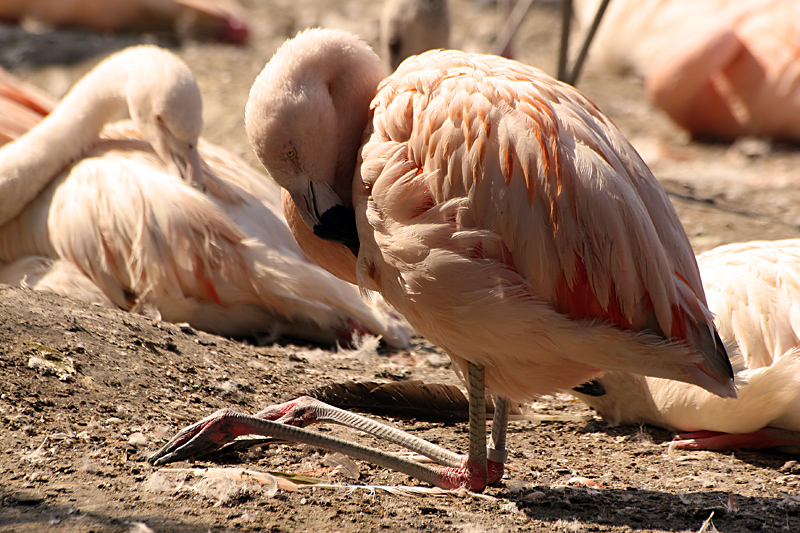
(498, 210)
(752, 288)
(117, 226)
(495, 207)
(219, 19)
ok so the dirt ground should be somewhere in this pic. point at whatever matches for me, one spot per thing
(89, 393)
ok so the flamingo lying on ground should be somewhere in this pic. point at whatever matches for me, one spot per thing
(22, 106)
(498, 210)
(218, 19)
(753, 289)
(720, 69)
(144, 216)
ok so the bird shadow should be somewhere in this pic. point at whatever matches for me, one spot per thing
(640, 509)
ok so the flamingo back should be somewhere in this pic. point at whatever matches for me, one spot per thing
(540, 216)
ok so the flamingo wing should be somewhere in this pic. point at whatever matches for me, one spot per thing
(223, 260)
(484, 162)
(753, 289)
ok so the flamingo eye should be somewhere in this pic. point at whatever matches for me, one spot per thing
(291, 153)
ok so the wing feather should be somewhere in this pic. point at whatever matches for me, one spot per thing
(500, 162)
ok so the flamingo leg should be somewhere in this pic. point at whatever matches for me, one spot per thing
(563, 52)
(767, 437)
(287, 421)
(572, 76)
(497, 453)
(225, 425)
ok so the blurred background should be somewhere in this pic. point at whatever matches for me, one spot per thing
(725, 191)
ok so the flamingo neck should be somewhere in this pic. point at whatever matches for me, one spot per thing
(31, 162)
(352, 98)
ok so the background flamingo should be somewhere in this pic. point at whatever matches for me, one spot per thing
(218, 19)
(105, 217)
(497, 209)
(721, 69)
(753, 289)
(410, 27)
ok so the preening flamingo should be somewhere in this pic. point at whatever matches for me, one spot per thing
(753, 289)
(218, 19)
(499, 210)
(112, 216)
(410, 27)
(720, 69)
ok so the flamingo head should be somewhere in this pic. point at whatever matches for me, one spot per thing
(306, 117)
(166, 105)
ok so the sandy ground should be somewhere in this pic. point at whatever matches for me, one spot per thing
(88, 393)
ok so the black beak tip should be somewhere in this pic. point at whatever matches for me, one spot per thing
(338, 224)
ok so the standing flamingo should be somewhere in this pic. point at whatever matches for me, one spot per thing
(753, 289)
(498, 210)
(103, 216)
(410, 27)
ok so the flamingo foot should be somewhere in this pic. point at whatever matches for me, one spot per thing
(759, 440)
(471, 475)
(287, 421)
(203, 437)
(495, 472)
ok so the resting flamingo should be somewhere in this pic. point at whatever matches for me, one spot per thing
(144, 216)
(731, 69)
(498, 210)
(22, 106)
(753, 289)
(219, 19)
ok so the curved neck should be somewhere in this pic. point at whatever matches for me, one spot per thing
(352, 93)
(30, 163)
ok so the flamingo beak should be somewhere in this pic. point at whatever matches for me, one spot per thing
(323, 212)
(189, 166)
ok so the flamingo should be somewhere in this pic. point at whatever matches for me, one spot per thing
(410, 27)
(22, 106)
(729, 70)
(498, 210)
(753, 289)
(219, 19)
(144, 216)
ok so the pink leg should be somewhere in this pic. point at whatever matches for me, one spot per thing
(759, 440)
(287, 420)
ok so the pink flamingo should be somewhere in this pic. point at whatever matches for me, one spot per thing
(753, 289)
(147, 217)
(218, 19)
(498, 210)
(720, 69)
(410, 27)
